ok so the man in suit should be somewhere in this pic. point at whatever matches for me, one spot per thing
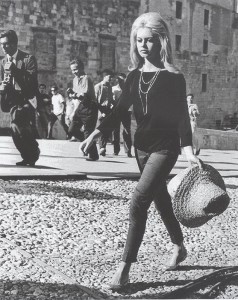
(18, 89)
(104, 96)
(125, 121)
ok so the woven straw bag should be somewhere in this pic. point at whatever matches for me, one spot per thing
(198, 195)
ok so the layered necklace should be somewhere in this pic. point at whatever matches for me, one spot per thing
(147, 86)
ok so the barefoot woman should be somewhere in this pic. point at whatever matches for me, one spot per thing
(157, 92)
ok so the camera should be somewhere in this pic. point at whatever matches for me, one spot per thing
(70, 92)
(7, 74)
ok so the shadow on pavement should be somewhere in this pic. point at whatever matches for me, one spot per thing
(231, 186)
(221, 163)
(114, 175)
(23, 290)
(60, 156)
(35, 167)
(4, 147)
(70, 191)
(209, 286)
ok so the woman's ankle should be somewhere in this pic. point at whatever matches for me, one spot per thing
(179, 246)
(124, 267)
(122, 274)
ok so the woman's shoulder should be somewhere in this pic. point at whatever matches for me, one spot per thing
(132, 73)
(176, 78)
(131, 76)
(176, 75)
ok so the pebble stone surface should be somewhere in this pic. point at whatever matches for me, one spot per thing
(79, 228)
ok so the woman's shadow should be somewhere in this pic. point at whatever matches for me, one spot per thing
(205, 287)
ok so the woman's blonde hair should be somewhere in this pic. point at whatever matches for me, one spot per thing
(159, 28)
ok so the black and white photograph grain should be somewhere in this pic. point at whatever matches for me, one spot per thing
(118, 149)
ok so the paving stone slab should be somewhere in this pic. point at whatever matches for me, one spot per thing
(62, 159)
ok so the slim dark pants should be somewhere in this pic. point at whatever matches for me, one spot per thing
(126, 123)
(47, 119)
(22, 133)
(155, 168)
(86, 119)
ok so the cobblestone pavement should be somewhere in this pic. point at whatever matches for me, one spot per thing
(64, 240)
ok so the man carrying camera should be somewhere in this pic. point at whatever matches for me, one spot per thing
(85, 115)
(18, 90)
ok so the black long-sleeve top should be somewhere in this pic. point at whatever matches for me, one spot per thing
(166, 125)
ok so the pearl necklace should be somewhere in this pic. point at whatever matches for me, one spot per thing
(150, 84)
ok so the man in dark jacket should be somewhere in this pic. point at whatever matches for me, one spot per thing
(104, 96)
(18, 89)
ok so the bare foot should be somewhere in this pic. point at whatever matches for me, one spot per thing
(179, 255)
(121, 277)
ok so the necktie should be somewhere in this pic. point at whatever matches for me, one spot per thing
(10, 59)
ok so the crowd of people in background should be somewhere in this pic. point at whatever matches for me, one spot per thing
(84, 105)
(35, 108)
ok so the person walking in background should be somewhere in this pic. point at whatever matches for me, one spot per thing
(86, 112)
(234, 121)
(104, 97)
(193, 114)
(157, 92)
(33, 110)
(58, 104)
(69, 112)
(18, 87)
(126, 120)
(45, 112)
(71, 107)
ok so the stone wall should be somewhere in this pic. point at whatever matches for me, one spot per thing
(220, 63)
(98, 31)
(216, 139)
(56, 31)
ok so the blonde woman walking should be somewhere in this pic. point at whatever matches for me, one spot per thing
(157, 92)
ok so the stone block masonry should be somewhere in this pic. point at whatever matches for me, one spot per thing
(212, 77)
(56, 31)
(98, 31)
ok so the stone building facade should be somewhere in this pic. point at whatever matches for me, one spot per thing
(204, 35)
(56, 31)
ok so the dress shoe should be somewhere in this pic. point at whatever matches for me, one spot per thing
(115, 153)
(73, 139)
(103, 152)
(92, 158)
(22, 163)
(197, 151)
(129, 154)
(25, 163)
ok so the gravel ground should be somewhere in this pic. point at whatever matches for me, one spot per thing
(60, 238)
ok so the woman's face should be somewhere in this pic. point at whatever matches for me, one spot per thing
(148, 45)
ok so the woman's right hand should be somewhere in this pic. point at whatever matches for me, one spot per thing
(86, 144)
